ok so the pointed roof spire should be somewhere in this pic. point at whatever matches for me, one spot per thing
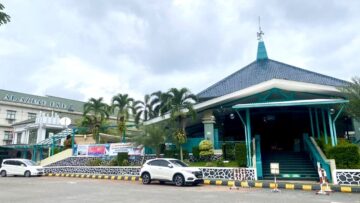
(261, 53)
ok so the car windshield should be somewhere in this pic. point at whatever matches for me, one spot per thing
(178, 163)
(30, 163)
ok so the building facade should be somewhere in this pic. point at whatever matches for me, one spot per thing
(18, 107)
(278, 111)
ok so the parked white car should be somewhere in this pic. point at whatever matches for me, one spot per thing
(22, 167)
(170, 170)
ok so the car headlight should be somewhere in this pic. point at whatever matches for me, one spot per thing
(188, 171)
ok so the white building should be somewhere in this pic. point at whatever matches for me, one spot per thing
(18, 107)
(34, 131)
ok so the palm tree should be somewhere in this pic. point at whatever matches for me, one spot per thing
(352, 92)
(153, 137)
(137, 111)
(121, 104)
(180, 104)
(147, 107)
(4, 18)
(158, 102)
(95, 113)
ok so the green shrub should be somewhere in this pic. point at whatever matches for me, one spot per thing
(228, 150)
(323, 146)
(170, 153)
(113, 162)
(125, 162)
(196, 152)
(57, 150)
(121, 156)
(346, 155)
(240, 154)
(95, 162)
(206, 148)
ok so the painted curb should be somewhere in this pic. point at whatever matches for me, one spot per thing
(229, 183)
(105, 177)
(282, 185)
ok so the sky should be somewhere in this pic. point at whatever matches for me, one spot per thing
(86, 48)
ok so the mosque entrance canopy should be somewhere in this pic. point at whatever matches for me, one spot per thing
(308, 102)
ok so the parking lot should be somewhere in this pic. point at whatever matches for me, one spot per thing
(62, 189)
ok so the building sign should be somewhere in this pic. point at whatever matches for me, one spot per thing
(36, 101)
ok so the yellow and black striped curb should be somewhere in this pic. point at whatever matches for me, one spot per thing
(229, 183)
(108, 177)
(282, 185)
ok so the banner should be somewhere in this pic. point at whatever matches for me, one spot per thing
(96, 150)
(119, 147)
(99, 150)
(82, 150)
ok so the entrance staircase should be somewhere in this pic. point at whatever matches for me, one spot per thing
(293, 166)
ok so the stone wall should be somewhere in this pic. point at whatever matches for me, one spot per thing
(101, 170)
(228, 173)
(208, 172)
(348, 177)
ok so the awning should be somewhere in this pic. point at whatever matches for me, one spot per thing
(307, 102)
(56, 137)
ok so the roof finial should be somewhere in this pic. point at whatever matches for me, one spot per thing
(260, 33)
(261, 53)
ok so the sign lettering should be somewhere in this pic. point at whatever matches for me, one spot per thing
(34, 101)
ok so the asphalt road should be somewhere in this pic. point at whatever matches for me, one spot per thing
(61, 189)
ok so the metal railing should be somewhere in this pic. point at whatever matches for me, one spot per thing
(315, 156)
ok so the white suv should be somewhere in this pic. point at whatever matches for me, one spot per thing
(23, 167)
(170, 170)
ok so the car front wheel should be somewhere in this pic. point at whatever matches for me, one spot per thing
(146, 179)
(3, 173)
(27, 174)
(179, 180)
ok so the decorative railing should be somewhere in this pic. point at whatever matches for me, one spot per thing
(101, 170)
(316, 155)
(225, 173)
(348, 176)
(259, 170)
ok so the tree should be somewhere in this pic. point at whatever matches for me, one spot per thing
(147, 107)
(158, 103)
(352, 92)
(4, 18)
(136, 109)
(153, 137)
(95, 113)
(180, 104)
(121, 104)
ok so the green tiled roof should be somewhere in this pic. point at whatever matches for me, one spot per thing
(41, 101)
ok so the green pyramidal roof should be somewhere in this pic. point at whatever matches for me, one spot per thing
(261, 53)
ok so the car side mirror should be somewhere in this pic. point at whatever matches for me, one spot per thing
(23, 165)
(170, 166)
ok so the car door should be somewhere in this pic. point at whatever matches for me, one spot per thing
(154, 169)
(21, 167)
(8, 166)
(165, 172)
(16, 168)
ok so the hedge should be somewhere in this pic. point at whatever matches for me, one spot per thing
(121, 157)
(346, 156)
(240, 154)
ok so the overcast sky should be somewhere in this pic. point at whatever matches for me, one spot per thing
(86, 48)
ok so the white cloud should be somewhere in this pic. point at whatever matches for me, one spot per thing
(82, 49)
(72, 73)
